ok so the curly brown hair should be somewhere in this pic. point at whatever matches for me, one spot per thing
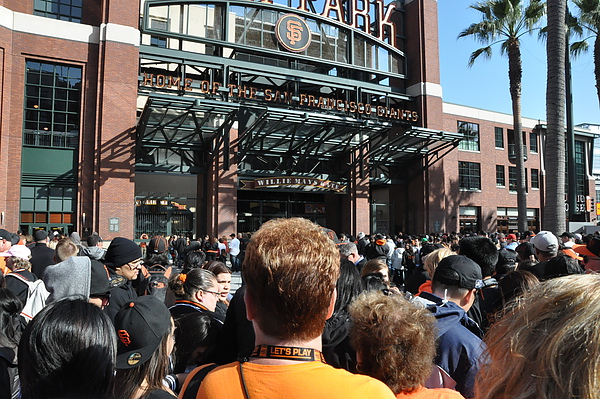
(394, 339)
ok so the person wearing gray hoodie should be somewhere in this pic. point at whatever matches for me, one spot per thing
(94, 248)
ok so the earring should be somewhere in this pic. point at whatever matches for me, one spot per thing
(358, 365)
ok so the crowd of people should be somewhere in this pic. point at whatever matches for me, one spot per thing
(436, 316)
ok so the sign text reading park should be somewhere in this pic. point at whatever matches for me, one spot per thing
(243, 92)
(372, 17)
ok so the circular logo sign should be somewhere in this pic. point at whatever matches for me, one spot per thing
(293, 33)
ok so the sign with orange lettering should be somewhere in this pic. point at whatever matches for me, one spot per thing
(293, 33)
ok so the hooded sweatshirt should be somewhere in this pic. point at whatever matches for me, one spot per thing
(69, 278)
(377, 249)
(460, 348)
(95, 253)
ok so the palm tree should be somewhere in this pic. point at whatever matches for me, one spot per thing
(554, 208)
(504, 22)
(589, 18)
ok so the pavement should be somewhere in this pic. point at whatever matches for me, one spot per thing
(236, 282)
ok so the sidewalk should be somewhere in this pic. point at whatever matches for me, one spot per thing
(236, 282)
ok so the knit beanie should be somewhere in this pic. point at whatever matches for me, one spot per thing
(121, 251)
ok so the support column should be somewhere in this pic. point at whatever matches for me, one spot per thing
(116, 119)
(424, 86)
(356, 203)
(221, 192)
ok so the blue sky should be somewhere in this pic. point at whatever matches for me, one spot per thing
(485, 84)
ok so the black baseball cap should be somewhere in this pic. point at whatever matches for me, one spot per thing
(141, 325)
(460, 271)
(158, 245)
(5, 235)
(507, 257)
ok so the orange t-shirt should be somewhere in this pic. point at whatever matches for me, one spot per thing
(3, 268)
(292, 381)
(426, 393)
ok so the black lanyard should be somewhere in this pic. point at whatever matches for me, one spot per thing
(288, 353)
(280, 352)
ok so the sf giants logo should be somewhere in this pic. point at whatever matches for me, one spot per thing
(124, 337)
(293, 33)
(295, 30)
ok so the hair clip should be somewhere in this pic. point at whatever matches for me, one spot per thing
(182, 277)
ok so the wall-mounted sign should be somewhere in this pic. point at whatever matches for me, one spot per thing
(292, 33)
(295, 183)
(273, 95)
(113, 225)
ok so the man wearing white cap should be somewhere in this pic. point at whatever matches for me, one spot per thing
(546, 248)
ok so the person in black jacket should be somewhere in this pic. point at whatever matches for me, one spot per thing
(124, 262)
(41, 255)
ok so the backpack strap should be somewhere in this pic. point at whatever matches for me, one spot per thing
(20, 277)
(194, 379)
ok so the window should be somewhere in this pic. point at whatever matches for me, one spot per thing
(469, 176)
(499, 136)
(47, 204)
(512, 179)
(500, 178)
(52, 105)
(580, 173)
(533, 143)
(470, 132)
(159, 25)
(511, 144)
(65, 10)
(535, 178)
(469, 218)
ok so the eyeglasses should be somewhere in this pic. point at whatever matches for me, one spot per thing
(136, 264)
(216, 294)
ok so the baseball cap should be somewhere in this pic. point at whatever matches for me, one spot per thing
(99, 279)
(592, 248)
(525, 249)
(158, 245)
(141, 325)
(507, 257)
(458, 270)
(20, 251)
(5, 235)
(511, 236)
(14, 239)
(545, 241)
(40, 235)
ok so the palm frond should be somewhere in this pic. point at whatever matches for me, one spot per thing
(486, 52)
(578, 48)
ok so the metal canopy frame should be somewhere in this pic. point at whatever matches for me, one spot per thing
(187, 127)
(171, 126)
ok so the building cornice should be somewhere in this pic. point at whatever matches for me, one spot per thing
(64, 30)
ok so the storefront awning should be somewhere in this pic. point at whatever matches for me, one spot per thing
(177, 128)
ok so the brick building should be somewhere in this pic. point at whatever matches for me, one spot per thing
(211, 117)
(69, 81)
